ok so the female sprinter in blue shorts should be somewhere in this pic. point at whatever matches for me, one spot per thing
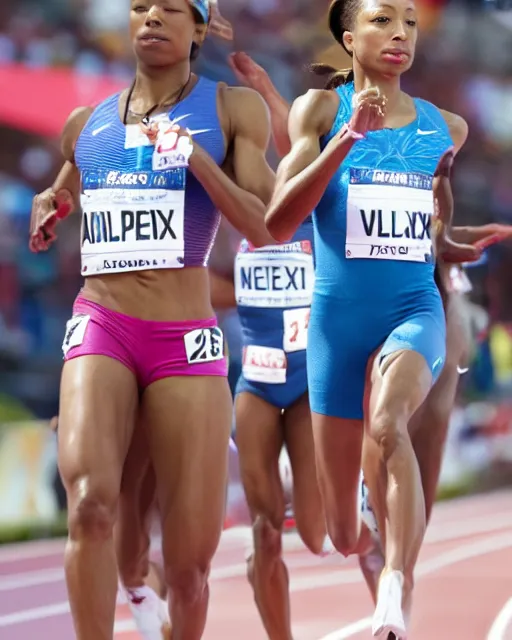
(153, 165)
(429, 425)
(364, 156)
(273, 288)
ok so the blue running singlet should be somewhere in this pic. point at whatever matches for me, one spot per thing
(374, 284)
(273, 288)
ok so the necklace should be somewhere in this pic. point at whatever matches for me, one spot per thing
(145, 117)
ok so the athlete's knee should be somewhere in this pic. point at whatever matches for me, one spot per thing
(389, 430)
(344, 535)
(187, 583)
(267, 537)
(313, 533)
(91, 509)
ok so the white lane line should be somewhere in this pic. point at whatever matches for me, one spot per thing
(39, 613)
(442, 561)
(31, 550)
(501, 623)
(292, 542)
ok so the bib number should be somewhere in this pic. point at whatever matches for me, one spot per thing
(204, 345)
(296, 323)
(75, 332)
(131, 222)
(281, 276)
(389, 216)
(264, 364)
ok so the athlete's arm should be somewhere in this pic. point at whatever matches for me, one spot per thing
(450, 249)
(222, 290)
(487, 234)
(303, 175)
(57, 202)
(458, 128)
(241, 189)
(252, 75)
(69, 176)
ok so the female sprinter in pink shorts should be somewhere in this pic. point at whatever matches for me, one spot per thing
(153, 164)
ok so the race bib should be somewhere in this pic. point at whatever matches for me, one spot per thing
(171, 149)
(389, 216)
(264, 364)
(296, 323)
(459, 282)
(132, 221)
(75, 332)
(204, 345)
(276, 276)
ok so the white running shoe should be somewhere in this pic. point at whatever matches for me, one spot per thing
(367, 514)
(149, 612)
(388, 617)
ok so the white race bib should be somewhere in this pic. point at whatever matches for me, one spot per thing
(132, 228)
(75, 332)
(276, 276)
(204, 345)
(389, 215)
(264, 364)
(296, 323)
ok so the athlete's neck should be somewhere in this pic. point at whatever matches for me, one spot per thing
(390, 87)
(156, 85)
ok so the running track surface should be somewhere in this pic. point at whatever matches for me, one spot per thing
(463, 591)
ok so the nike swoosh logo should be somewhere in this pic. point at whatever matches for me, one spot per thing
(193, 133)
(462, 370)
(100, 129)
(420, 132)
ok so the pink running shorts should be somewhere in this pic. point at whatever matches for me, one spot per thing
(152, 350)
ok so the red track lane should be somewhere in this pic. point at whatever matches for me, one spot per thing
(463, 580)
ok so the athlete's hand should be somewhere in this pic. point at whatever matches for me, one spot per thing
(48, 208)
(369, 111)
(453, 252)
(497, 233)
(219, 26)
(248, 72)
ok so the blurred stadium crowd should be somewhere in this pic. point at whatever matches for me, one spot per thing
(58, 51)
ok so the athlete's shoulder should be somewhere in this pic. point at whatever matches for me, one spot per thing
(243, 97)
(73, 127)
(315, 110)
(248, 112)
(457, 126)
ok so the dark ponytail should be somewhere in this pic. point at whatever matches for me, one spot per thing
(336, 77)
(342, 15)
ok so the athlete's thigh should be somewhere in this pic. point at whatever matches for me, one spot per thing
(188, 422)
(338, 450)
(137, 501)
(298, 434)
(259, 438)
(307, 503)
(98, 400)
